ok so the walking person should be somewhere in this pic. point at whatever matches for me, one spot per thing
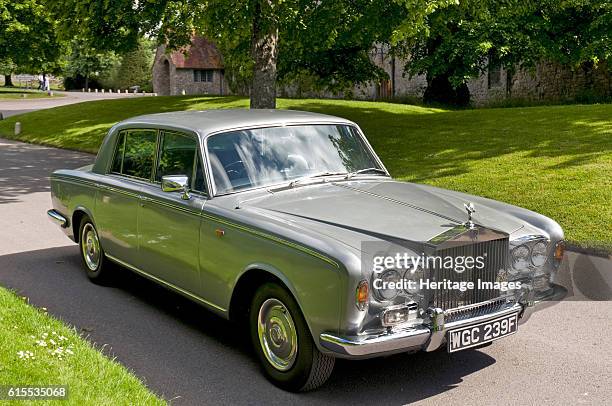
(47, 86)
(41, 82)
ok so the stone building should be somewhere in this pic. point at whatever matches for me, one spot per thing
(547, 82)
(195, 69)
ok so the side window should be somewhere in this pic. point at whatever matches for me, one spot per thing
(139, 153)
(178, 155)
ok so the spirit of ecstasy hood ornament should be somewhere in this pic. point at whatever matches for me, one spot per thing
(469, 207)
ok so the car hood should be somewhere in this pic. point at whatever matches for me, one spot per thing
(368, 210)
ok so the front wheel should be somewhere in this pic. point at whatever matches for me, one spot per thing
(283, 342)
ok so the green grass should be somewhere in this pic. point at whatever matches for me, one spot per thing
(92, 378)
(8, 93)
(556, 160)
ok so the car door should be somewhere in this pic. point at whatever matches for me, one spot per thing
(118, 196)
(168, 225)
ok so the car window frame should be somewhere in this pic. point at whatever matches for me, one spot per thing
(198, 155)
(124, 133)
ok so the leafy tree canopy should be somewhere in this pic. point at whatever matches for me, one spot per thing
(28, 36)
(329, 39)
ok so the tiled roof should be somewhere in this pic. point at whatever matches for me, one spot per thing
(201, 54)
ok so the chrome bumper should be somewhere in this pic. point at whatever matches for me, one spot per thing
(422, 337)
(57, 218)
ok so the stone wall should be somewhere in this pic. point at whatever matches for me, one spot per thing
(554, 82)
(182, 80)
(162, 72)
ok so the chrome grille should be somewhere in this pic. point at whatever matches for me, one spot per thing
(496, 258)
(475, 310)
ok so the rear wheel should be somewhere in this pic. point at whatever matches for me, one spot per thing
(283, 342)
(92, 255)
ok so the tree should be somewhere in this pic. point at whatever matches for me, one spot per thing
(135, 67)
(84, 61)
(258, 38)
(28, 38)
(463, 39)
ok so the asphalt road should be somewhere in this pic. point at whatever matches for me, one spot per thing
(11, 107)
(187, 355)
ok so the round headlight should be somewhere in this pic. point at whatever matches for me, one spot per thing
(520, 257)
(382, 289)
(538, 254)
(414, 275)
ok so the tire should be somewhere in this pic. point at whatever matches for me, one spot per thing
(92, 255)
(297, 368)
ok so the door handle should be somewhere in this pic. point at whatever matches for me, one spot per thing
(143, 200)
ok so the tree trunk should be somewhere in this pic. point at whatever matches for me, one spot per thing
(8, 81)
(86, 82)
(264, 49)
(440, 91)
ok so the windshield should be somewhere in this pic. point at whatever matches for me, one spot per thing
(267, 156)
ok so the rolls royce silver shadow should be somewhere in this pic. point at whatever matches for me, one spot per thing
(288, 222)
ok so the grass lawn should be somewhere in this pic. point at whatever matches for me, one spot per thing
(556, 160)
(40, 350)
(9, 93)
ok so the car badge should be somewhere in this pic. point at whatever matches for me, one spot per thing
(469, 207)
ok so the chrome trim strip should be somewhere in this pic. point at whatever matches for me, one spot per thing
(74, 180)
(159, 202)
(273, 238)
(167, 284)
(57, 218)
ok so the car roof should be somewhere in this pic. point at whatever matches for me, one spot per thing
(206, 122)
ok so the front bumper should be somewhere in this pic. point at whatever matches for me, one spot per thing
(423, 337)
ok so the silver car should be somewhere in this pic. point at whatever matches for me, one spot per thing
(288, 222)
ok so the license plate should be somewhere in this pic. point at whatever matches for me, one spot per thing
(478, 334)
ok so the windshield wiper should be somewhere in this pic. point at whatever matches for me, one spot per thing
(378, 170)
(296, 182)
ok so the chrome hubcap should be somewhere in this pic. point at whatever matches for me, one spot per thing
(277, 334)
(90, 246)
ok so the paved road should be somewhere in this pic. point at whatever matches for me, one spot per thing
(12, 107)
(562, 356)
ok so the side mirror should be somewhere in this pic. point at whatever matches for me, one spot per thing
(176, 183)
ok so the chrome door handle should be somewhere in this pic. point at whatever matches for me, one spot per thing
(144, 199)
